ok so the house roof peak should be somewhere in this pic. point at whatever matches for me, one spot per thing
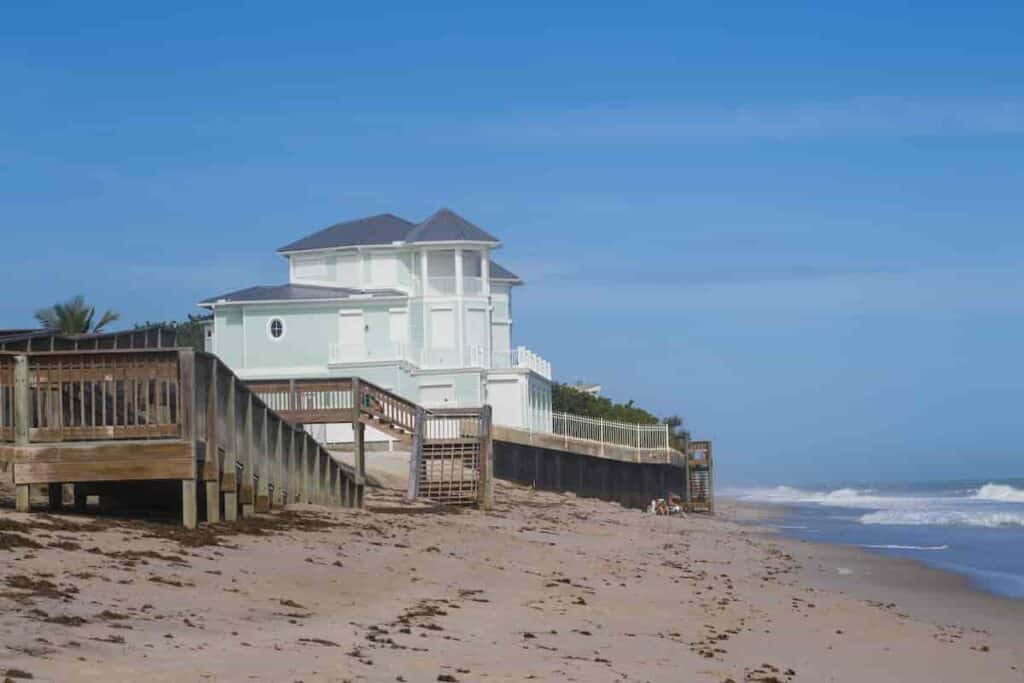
(444, 225)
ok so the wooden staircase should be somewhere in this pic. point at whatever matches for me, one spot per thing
(449, 448)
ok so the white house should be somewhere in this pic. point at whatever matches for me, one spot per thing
(417, 308)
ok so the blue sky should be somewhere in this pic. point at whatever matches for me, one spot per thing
(799, 227)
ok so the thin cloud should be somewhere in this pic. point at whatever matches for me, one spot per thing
(818, 119)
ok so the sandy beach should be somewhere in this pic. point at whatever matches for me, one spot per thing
(546, 587)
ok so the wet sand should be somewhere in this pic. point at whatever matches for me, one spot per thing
(546, 587)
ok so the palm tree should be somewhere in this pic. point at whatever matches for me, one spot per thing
(74, 316)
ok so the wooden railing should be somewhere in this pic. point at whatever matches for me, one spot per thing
(311, 401)
(93, 395)
(386, 408)
(319, 401)
(253, 446)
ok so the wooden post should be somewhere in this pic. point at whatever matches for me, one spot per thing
(22, 424)
(187, 399)
(304, 469)
(189, 509)
(248, 492)
(711, 482)
(229, 476)
(279, 491)
(265, 467)
(213, 463)
(359, 443)
(80, 497)
(55, 496)
(335, 484)
(292, 487)
(316, 479)
(487, 460)
(21, 497)
(416, 455)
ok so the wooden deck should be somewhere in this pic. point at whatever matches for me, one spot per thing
(155, 414)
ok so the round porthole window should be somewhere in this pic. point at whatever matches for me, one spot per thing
(275, 328)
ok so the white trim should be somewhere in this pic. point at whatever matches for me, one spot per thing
(272, 372)
(284, 329)
(245, 345)
(260, 302)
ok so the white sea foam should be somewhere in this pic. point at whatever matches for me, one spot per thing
(890, 546)
(944, 517)
(992, 505)
(999, 493)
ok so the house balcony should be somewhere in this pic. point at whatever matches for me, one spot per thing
(442, 359)
(518, 358)
(449, 286)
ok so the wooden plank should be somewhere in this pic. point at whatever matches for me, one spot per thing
(133, 469)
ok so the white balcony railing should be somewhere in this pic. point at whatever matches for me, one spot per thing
(449, 286)
(521, 357)
(440, 286)
(472, 357)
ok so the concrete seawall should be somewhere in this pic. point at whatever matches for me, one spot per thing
(632, 484)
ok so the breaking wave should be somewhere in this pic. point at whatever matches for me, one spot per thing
(999, 493)
(940, 517)
(992, 505)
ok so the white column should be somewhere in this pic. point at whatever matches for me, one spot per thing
(423, 273)
(458, 272)
(460, 308)
(485, 271)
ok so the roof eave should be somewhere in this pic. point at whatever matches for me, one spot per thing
(390, 297)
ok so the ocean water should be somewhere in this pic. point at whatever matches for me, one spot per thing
(972, 528)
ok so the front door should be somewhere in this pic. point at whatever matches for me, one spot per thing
(351, 336)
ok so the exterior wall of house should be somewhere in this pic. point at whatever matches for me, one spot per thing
(309, 331)
(445, 343)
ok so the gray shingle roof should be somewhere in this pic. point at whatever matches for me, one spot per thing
(448, 226)
(296, 293)
(444, 226)
(500, 272)
(381, 229)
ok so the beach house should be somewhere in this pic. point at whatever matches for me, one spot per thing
(420, 309)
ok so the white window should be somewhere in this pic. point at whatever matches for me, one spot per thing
(276, 329)
(476, 327)
(309, 268)
(472, 265)
(380, 270)
(442, 328)
(399, 322)
(348, 269)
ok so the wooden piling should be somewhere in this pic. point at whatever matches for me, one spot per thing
(229, 475)
(359, 443)
(189, 509)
